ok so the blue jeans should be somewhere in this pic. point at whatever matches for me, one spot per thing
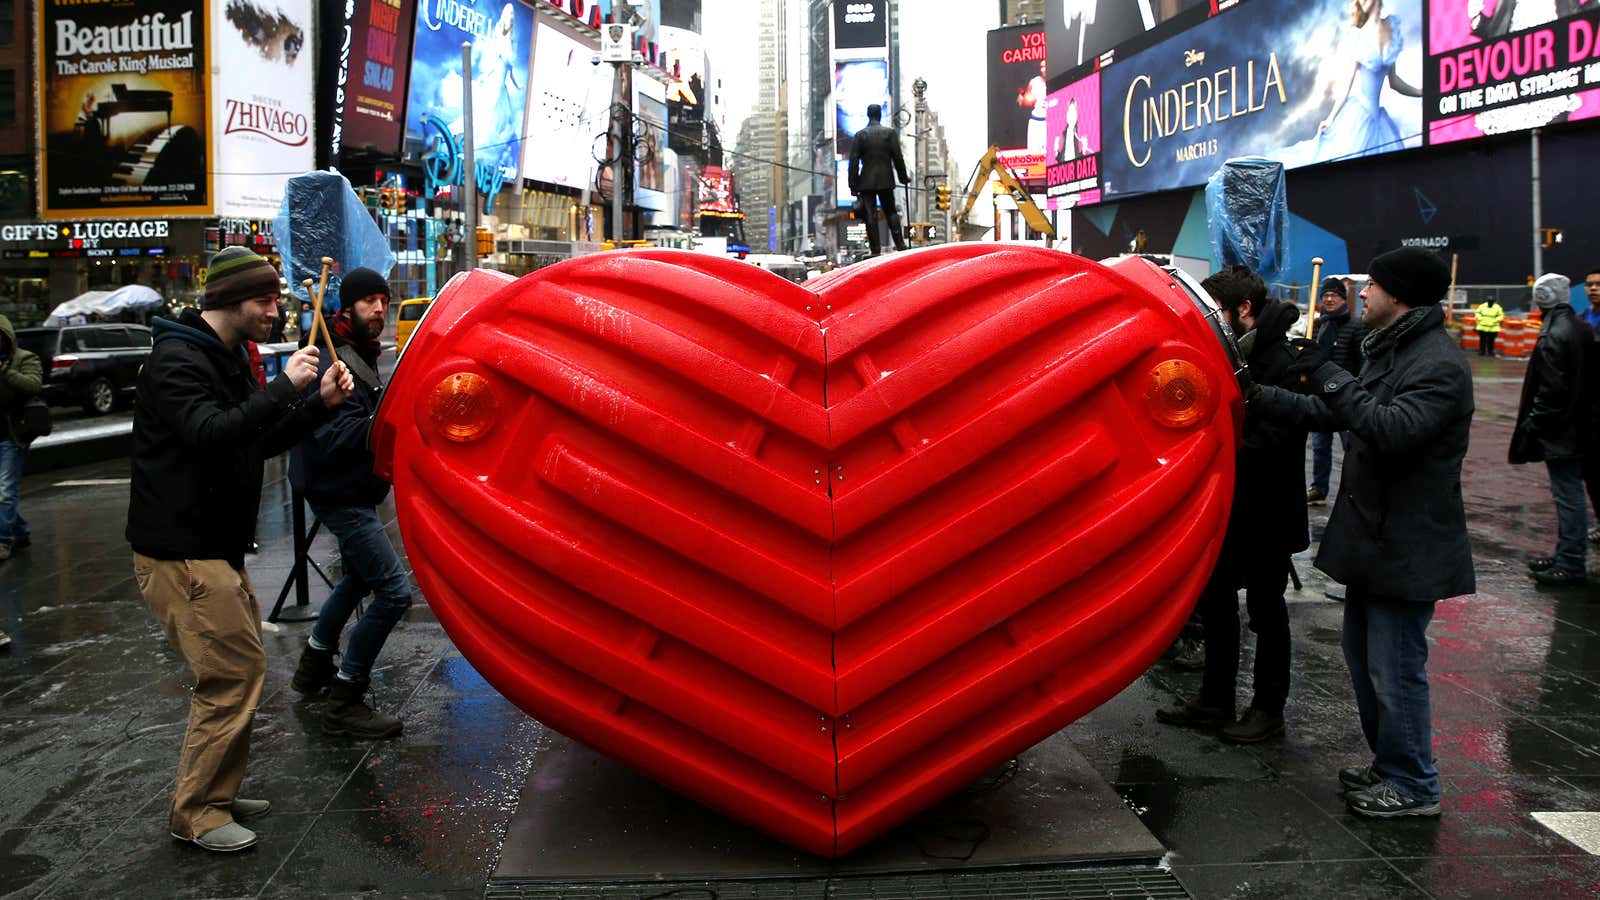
(1322, 458)
(1386, 648)
(370, 567)
(13, 527)
(1572, 514)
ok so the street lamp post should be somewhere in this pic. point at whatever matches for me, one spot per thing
(919, 90)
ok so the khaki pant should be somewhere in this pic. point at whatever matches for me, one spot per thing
(210, 614)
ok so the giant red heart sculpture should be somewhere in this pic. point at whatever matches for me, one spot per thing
(814, 556)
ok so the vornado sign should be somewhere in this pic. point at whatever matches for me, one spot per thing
(1149, 116)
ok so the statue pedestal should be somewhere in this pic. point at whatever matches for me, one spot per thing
(584, 819)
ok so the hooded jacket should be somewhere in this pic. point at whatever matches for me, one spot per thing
(1398, 529)
(333, 467)
(21, 379)
(1554, 412)
(1269, 500)
(202, 430)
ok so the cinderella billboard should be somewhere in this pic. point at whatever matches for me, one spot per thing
(1307, 83)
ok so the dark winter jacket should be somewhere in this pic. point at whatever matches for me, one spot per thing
(1269, 499)
(201, 432)
(21, 379)
(875, 159)
(1339, 334)
(1554, 414)
(333, 467)
(1398, 528)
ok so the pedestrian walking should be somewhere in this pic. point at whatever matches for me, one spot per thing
(875, 160)
(1266, 526)
(1551, 421)
(201, 431)
(1397, 536)
(1591, 434)
(1591, 290)
(333, 469)
(1488, 316)
(21, 380)
(1339, 336)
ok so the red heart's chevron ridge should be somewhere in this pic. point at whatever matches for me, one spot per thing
(815, 556)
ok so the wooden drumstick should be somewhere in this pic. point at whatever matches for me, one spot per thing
(311, 294)
(1316, 295)
(316, 310)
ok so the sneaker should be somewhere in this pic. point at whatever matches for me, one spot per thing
(1315, 497)
(5, 552)
(1194, 714)
(1556, 577)
(229, 838)
(5, 639)
(1541, 563)
(349, 715)
(1191, 657)
(1385, 801)
(1358, 778)
(1594, 533)
(249, 809)
(315, 671)
(1253, 727)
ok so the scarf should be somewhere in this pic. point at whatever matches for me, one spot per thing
(1383, 340)
(367, 348)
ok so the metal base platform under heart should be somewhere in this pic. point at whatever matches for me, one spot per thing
(585, 820)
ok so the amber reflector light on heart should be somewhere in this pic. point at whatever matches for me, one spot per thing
(462, 407)
(1180, 394)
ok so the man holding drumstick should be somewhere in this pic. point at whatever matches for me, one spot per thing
(201, 433)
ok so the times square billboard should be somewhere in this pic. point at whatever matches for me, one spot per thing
(1018, 98)
(1304, 83)
(501, 32)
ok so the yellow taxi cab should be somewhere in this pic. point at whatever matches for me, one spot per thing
(410, 314)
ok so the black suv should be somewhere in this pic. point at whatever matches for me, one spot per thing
(88, 365)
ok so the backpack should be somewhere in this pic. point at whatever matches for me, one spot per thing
(35, 419)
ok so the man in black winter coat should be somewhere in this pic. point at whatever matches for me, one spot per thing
(1397, 536)
(1267, 525)
(333, 469)
(201, 431)
(1551, 422)
(1339, 335)
(875, 159)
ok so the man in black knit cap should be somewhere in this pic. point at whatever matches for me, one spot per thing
(1397, 536)
(201, 431)
(334, 470)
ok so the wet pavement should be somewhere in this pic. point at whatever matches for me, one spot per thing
(92, 705)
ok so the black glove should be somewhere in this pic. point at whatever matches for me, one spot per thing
(1308, 358)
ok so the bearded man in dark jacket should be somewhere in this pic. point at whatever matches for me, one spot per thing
(1266, 526)
(1397, 536)
(201, 431)
(333, 469)
(1551, 427)
(1339, 335)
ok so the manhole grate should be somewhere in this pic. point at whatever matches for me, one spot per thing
(1034, 884)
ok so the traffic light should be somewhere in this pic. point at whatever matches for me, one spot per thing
(1551, 237)
(943, 196)
(485, 243)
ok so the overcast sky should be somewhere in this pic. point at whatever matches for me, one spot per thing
(941, 41)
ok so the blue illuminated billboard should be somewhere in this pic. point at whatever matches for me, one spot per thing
(502, 35)
(1303, 83)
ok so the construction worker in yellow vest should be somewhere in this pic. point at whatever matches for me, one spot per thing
(1488, 315)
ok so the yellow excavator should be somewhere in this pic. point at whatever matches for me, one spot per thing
(1031, 213)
